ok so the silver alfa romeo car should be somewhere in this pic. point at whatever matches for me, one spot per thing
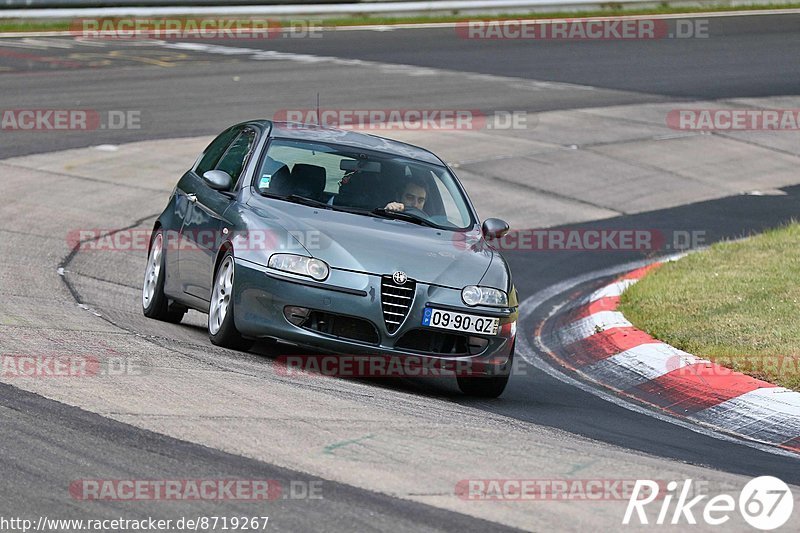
(337, 241)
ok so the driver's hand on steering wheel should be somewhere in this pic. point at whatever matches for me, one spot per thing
(395, 206)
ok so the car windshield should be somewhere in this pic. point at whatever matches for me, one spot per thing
(363, 181)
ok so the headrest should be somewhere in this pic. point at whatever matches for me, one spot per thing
(308, 180)
(281, 182)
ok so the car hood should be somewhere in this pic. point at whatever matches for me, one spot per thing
(382, 246)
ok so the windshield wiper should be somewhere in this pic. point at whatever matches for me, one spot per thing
(299, 199)
(305, 200)
(400, 215)
(382, 212)
(312, 202)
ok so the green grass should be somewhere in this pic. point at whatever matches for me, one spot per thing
(737, 303)
(18, 25)
(9, 25)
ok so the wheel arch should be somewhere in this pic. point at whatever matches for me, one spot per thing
(156, 226)
(224, 248)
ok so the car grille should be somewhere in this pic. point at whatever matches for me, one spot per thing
(396, 300)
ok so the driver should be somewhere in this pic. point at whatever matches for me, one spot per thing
(414, 194)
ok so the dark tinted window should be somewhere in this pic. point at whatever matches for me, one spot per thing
(214, 151)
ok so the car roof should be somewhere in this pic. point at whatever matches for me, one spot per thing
(314, 132)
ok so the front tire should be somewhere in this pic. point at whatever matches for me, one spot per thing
(221, 328)
(486, 386)
(155, 303)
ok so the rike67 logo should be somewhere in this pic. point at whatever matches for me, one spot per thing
(765, 503)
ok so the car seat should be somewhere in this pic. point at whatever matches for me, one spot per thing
(308, 180)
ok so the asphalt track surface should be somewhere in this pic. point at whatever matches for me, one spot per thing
(48, 443)
(750, 56)
(743, 56)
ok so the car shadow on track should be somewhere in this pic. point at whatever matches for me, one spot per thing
(444, 387)
(272, 354)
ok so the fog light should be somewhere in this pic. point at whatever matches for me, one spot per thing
(296, 315)
(477, 345)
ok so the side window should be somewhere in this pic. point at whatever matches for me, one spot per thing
(236, 157)
(215, 150)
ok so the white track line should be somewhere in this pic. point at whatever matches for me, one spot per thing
(595, 323)
(257, 54)
(615, 289)
(748, 412)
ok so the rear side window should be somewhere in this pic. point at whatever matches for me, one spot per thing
(214, 151)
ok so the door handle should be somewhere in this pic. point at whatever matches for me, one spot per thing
(191, 197)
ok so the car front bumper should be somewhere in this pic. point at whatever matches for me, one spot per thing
(261, 295)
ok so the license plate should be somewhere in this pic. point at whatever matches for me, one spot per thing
(438, 318)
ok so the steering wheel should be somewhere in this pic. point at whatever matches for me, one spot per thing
(415, 212)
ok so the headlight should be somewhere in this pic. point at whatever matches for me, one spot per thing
(300, 264)
(473, 296)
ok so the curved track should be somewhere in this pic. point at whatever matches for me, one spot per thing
(389, 454)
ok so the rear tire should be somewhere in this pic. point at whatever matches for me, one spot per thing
(486, 386)
(155, 303)
(221, 327)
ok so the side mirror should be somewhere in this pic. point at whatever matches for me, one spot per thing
(494, 228)
(219, 180)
